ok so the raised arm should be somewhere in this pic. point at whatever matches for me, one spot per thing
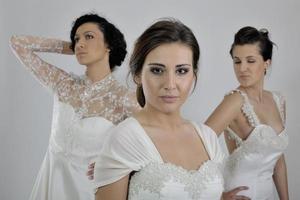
(25, 47)
(225, 113)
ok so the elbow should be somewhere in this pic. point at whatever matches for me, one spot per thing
(13, 41)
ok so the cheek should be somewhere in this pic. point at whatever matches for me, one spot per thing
(186, 85)
(150, 87)
(259, 70)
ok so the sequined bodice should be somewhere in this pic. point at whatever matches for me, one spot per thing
(168, 181)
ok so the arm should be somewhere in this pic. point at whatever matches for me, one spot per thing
(225, 113)
(25, 47)
(116, 191)
(280, 170)
(280, 179)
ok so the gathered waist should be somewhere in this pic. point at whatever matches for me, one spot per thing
(75, 156)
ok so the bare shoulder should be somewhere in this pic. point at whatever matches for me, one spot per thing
(233, 99)
(226, 112)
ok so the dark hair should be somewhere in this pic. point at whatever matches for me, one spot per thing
(112, 37)
(250, 35)
(162, 32)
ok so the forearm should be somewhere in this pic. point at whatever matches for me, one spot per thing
(36, 44)
(25, 47)
(116, 190)
(280, 179)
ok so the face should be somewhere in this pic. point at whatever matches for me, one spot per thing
(249, 65)
(167, 77)
(90, 47)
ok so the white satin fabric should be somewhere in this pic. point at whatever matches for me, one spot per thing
(129, 149)
(74, 143)
(252, 162)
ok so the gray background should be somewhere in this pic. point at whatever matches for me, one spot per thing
(26, 106)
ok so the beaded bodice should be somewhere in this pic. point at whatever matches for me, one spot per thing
(254, 159)
(169, 181)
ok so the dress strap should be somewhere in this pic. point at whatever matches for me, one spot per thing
(280, 101)
(233, 136)
(247, 109)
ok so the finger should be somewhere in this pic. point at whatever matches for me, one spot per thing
(90, 172)
(92, 165)
(241, 197)
(238, 189)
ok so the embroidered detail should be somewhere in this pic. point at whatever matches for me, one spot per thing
(260, 141)
(154, 176)
(76, 98)
(106, 98)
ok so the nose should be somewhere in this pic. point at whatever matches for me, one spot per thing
(80, 44)
(243, 67)
(170, 81)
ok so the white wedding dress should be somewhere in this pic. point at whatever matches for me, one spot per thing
(129, 150)
(83, 112)
(252, 162)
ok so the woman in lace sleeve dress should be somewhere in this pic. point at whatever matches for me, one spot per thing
(84, 107)
(157, 154)
(253, 120)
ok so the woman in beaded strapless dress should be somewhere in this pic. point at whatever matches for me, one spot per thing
(253, 120)
(157, 154)
(84, 107)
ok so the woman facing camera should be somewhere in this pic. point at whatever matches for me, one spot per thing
(254, 121)
(157, 154)
(84, 107)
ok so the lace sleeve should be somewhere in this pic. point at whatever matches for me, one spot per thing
(130, 104)
(25, 47)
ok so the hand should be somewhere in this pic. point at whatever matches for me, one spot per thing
(232, 194)
(90, 172)
(66, 48)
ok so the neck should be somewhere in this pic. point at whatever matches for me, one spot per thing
(255, 92)
(96, 72)
(153, 117)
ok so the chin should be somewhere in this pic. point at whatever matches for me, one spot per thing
(169, 109)
(82, 62)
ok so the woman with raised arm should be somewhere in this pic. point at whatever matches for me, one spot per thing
(253, 120)
(84, 107)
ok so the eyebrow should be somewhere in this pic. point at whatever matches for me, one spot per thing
(86, 32)
(251, 57)
(162, 65)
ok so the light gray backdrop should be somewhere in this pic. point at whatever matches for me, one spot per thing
(26, 107)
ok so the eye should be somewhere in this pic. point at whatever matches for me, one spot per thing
(76, 39)
(182, 71)
(251, 61)
(156, 70)
(237, 62)
(89, 36)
